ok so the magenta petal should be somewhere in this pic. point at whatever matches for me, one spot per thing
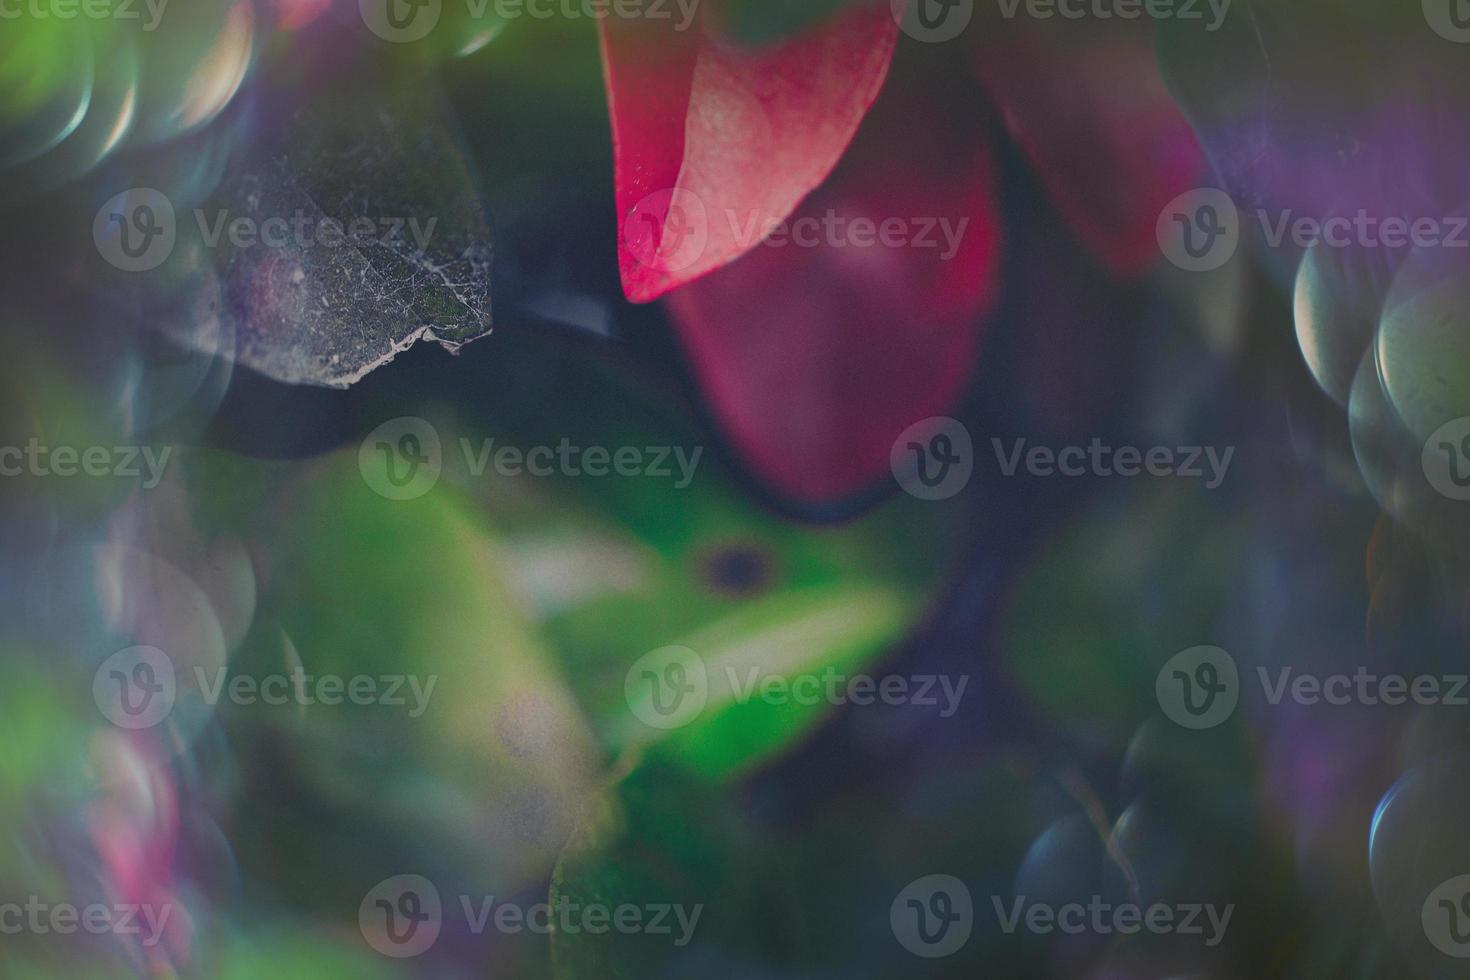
(702, 127)
(815, 359)
(1090, 111)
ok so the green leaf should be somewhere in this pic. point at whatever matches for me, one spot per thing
(494, 763)
(1142, 575)
(615, 568)
(654, 840)
(298, 956)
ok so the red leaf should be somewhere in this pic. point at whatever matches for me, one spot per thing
(815, 359)
(702, 127)
(1090, 111)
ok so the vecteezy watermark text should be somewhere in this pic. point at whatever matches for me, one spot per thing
(137, 230)
(406, 21)
(1362, 687)
(1200, 687)
(128, 462)
(85, 9)
(1200, 229)
(671, 229)
(833, 687)
(1101, 917)
(569, 459)
(39, 917)
(310, 231)
(1099, 459)
(1182, 10)
(139, 686)
(934, 459)
(296, 686)
(402, 917)
(669, 688)
(402, 459)
(1363, 230)
(843, 231)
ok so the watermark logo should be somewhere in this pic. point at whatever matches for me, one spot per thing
(1446, 459)
(401, 916)
(670, 230)
(667, 688)
(401, 21)
(135, 688)
(1199, 687)
(1450, 19)
(932, 916)
(671, 686)
(1199, 230)
(1446, 917)
(402, 458)
(933, 459)
(667, 230)
(933, 21)
(138, 688)
(135, 231)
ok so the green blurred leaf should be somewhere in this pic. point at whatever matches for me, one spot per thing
(298, 956)
(1142, 575)
(497, 761)
(655, 840)
(614, 568)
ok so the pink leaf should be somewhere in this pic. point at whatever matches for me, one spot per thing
(1090, 111)
(815, 358)
(703, 128)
